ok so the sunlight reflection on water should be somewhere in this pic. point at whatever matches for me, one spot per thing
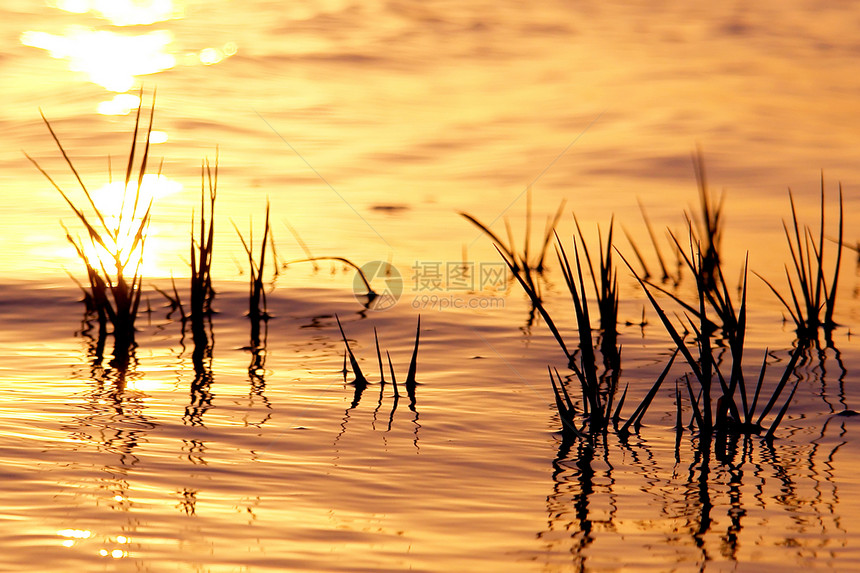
(385, 119)
(160, 465)
(120, 210)
(125, 12)
(110, 59)
(116, 59)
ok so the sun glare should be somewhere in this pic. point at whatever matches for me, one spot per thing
(75, 533)
(115, 59)
(119, 211)
(117, 204)
(124, 12)
(110, 59)
(156, 137)
(121, 104)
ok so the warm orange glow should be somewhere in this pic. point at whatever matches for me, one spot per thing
(209, 56)
(121, 104)
(111, 199)
(75, 533)
(118, 209)
(205, 436)
(156, 137)
(72, 535)
(148, 384)
(114, 59)
(124, 12)
(111, 60)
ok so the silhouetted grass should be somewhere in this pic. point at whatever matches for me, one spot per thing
(202, 292)
(598, 400)
(663, 269)
(526, 262)
(606, 294)
(173, 299)
(310, 258)
(729, 416)
(714, 288)
(116, 240)
(256, 293)
(813, 299)
(706, 228)
(361, 382)
(587, 375)
(353, 361)
(635, 419)
(598, 388)
(707, 225)
(371, 294)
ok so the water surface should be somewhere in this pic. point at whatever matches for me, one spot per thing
(368, 126)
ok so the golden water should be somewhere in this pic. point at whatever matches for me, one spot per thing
(369, 126)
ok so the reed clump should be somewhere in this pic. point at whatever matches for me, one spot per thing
(256, 293)
(720, 403)
(202, 292)
(598, 386)
(812, 299)
(706, 227)
(113, 249)
(201, 289)
(361, 382)
(530, 265)
(258, 314)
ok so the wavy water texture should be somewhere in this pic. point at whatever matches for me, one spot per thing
(368, 126)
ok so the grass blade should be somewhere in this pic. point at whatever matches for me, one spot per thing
(636, 418)
(356, 369)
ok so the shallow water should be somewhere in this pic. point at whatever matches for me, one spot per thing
(283, 470)
(369, 126)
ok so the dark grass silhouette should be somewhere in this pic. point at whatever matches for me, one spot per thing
(361, 382)
(812, 299)
(714, 401)
(202, 292)
(113, 248)
(719, 398)
(257, 309)
(529, 264)
(598, 385)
